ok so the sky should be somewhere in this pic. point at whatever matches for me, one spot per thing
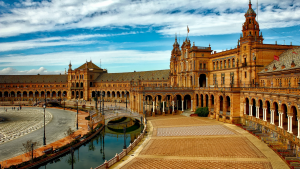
(44, 36)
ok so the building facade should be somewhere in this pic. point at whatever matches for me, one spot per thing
(240, 85)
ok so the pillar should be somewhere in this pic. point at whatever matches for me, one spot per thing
(153, 107)
(173, 105)
(204, 101)
(290, 123)
(163, 106)
(298, 127)
(250, 110)
(192, 105)
(198, 82)
(245, 111)
(272, 117)
(40, 93)
(182, 105)
(280, 119)
(200, 101)
(265, 114)
(224, 106)
(206, 84)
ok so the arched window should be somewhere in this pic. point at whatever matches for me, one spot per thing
(228, 63)
(221, 64)
(217, 65)
(233, 63)
(224, 64)
(214, 65)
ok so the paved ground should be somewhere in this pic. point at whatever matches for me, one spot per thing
(195, 142)
(55, 129)
(21, 122)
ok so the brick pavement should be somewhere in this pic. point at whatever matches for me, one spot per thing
(152, 163)
(195, 142)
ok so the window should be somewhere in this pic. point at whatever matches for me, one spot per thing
(245, 74)
(233, 63)
(220, 64)
(204, 66)
(217, 65)
(214, 65)
(200, 65)
(224, 64)
(228, 63)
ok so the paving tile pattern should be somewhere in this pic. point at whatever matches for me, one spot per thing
(179, 121)
(194, 131)
(229, 147)
(21, 122)
(153, 163)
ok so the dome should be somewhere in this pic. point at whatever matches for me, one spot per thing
(250, 11)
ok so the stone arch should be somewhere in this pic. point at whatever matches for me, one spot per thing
(6, 94)
(276, 113)
(201, 100)
(24, 93)
(81, 84)
(81, 94)
(113, 94)
(197, 100)
(30, 94)
(293, 113)
(212, 102)
(254, 104)
(247, 105)
(178, 98)
(53, 94)
(118, 94)
(221, 100)
(77, 84)
(65, 94)
(284, 109)
(228, 104)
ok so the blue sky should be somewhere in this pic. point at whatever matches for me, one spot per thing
(44, 36)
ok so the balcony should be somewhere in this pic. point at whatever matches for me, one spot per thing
(76, 88)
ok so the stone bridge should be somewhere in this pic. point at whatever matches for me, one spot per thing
(110, 115)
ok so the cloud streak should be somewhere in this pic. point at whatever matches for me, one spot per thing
(203, 17)
(41, 70)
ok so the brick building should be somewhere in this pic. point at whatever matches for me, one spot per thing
(237, 85)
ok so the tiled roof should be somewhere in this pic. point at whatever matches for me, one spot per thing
(286, 59)
(33, 78)
(146, 75)
(90, 65)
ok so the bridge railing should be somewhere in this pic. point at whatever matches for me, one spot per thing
(122, 154)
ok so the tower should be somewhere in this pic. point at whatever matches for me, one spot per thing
(251, 27)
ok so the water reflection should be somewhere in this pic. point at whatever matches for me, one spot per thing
(102, 147)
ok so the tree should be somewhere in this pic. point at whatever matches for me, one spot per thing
(28, 146)
(70, 133)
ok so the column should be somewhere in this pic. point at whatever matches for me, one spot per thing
(290, 123)
(173, 106)
(272, 116)
(27, 94)
(257, 112)
(198, 82)
(182, 105)
(250, 110)
(245, 111)
(21, 95)
(40, 93)
(153, 107)
(265, 114)
(280, 119)
(224, 106)
(206, 85)
(34, 94)
(298, 127)
(191, 105)
(163, 106)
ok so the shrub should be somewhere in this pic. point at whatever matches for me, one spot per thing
(202, 112)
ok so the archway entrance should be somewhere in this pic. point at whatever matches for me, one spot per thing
(187, 102)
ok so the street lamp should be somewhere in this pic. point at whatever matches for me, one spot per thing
(64, 101)
(60, 98)
(45, 97)
(35, 97)
(126, 99)
(77, 114)
(102, 103)
(44, 139)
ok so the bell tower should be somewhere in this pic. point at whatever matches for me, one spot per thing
(251, 27)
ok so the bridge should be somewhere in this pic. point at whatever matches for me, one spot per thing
(110, 114)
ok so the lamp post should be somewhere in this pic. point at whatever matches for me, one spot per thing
(20, 100)
(35, 97)
(102, 103)
(77, 114)
(64, 101)
(126, 99)
(44, 139)
(60, 98)
(96, 99)
(45, 97)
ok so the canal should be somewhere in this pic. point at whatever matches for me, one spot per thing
(103, 146)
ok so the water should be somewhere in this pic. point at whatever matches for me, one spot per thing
(102, 147)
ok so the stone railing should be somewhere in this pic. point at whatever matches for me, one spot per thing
(119, 156)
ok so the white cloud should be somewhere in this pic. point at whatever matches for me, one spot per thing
(41, 70)
(72, 14)
(78, 58)
(56, 41)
